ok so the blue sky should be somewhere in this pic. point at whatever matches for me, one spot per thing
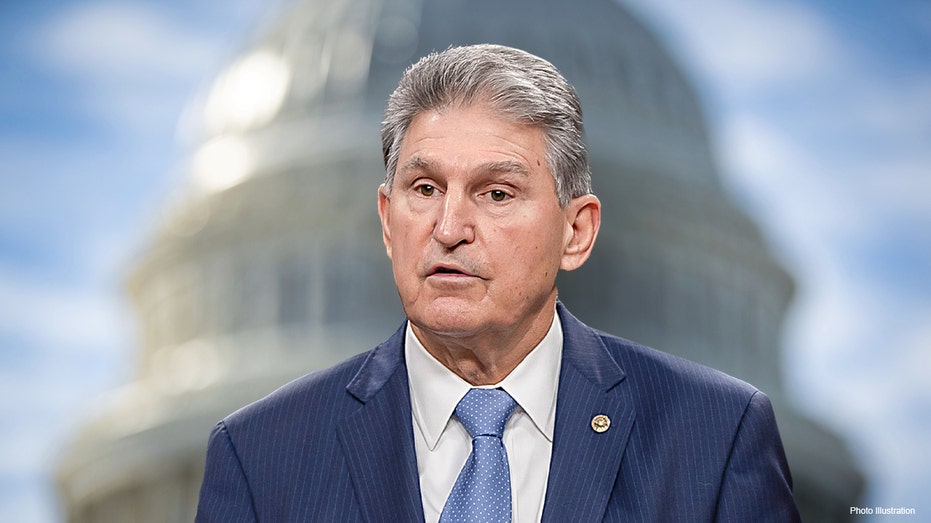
(821, 116)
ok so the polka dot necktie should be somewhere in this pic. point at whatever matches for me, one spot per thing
(482, 493)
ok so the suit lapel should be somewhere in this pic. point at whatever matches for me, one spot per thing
(377, 439)
(585, 463)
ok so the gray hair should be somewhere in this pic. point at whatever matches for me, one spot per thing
(518, 84)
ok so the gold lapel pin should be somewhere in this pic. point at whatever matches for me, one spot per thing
(601, 423)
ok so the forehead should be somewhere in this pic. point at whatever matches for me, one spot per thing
(476, 134)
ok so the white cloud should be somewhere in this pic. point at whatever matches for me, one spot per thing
(50, 315)
(109, 41)
(897, 107)
(25, 449)
(72, 343)
(859, 360)
(916, 361)
(746, 45)
(793, 188)
(134, 65)
(29, 504)
(896, 402)
(901, 191)
(894, 118)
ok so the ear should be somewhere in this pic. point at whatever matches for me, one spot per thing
(583, 219)
(384, 214)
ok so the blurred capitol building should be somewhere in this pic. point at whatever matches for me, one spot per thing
(273, 265)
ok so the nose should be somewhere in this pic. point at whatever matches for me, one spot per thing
(456, 223)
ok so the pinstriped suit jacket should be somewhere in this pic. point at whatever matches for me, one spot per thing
(686, 443)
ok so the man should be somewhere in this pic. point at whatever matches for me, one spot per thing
(492, 402)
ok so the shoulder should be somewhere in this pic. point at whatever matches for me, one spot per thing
(645, 371)
(676, 396)
(670, 375)
(308, 400)
(315, 402)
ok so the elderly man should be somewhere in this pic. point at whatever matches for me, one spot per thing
(492, 402)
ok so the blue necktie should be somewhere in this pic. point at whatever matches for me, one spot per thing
(482, 493)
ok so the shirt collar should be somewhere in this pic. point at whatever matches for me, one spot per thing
(436, 390)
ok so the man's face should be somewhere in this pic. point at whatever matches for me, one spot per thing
(472, 225)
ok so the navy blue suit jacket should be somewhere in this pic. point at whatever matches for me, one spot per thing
(686, 443)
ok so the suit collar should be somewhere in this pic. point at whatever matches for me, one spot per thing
(584, 350)
(585, 463)
(378, 440)
(379, 367)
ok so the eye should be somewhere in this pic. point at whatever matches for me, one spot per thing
(426, 189)
(498, 196)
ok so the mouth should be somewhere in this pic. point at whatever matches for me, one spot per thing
(447, 270)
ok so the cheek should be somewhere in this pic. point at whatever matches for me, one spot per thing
(402, 237)
(525, 260)
(408, 247)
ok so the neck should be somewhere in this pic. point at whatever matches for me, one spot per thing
(488, 357)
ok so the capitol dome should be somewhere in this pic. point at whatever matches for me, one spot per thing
(272, 265)
(323, 76)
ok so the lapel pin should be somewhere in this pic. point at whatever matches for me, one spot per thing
(601, 423)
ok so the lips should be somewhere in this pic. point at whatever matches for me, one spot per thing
(446, 269)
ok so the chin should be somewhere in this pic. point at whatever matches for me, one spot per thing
(449, 318)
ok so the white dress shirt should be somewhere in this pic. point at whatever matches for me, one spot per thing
(442, 444)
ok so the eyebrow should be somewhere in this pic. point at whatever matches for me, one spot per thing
(506, 167)
(416, 163)
(501, 167)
